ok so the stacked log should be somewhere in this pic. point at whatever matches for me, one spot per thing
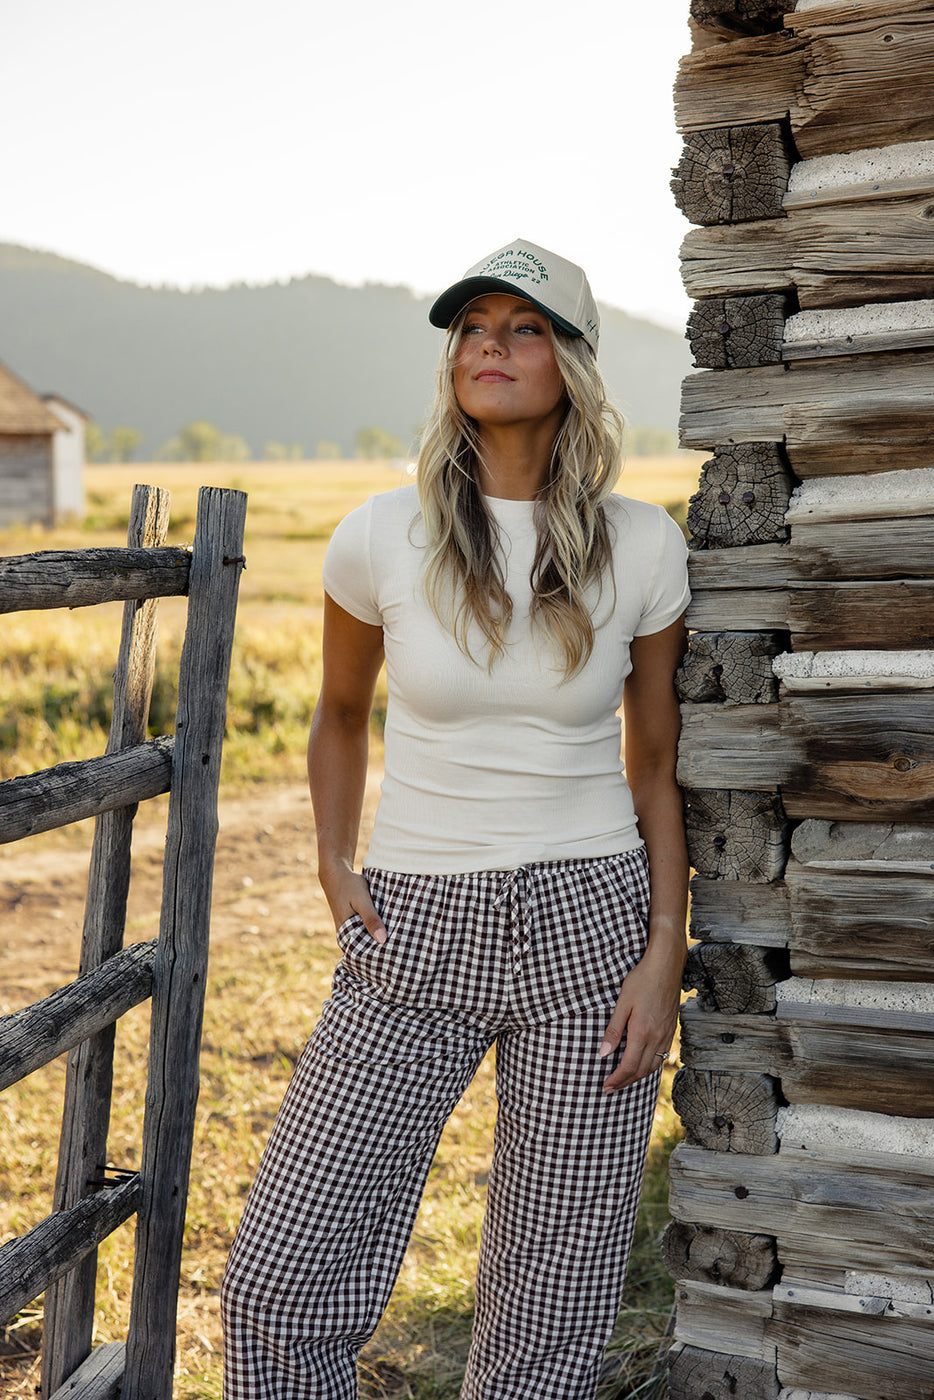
(803, 1196)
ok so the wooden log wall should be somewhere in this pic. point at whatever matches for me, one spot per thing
(58, 1257)
(802, 1198)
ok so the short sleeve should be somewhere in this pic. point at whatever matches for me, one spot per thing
(666, 595)
(348, 570)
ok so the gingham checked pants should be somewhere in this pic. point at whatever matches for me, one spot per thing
(533, 959)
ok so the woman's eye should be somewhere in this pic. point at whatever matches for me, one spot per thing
(472, 330)
(529, 330)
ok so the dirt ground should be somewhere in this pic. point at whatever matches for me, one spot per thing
(264, 877)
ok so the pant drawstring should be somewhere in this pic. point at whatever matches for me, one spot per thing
(516, 894)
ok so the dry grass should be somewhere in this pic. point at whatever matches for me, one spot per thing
(56, 681)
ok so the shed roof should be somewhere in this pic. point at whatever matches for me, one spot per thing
(67, 403)
(22, 411)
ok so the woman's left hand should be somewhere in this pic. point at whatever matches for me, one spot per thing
(646, 1015)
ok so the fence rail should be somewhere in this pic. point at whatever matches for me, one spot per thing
(70, 578)
(40, 1033)
(29, 1265)
(69, 792)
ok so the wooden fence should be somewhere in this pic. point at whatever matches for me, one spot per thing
(59, 1256)
(803, 1196)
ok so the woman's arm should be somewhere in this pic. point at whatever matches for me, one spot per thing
(337, 759)
(647, 1009)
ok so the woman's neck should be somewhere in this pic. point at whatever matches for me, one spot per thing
(515, 462)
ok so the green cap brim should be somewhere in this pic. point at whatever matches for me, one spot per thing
(452, 302)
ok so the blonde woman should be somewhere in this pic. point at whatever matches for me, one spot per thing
(518, 888)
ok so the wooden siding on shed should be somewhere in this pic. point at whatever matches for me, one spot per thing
(26, 483)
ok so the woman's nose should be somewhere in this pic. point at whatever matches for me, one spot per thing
(492, 345)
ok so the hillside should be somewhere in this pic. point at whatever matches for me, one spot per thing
(300, 362)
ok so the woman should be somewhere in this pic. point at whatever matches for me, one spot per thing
(506, 892)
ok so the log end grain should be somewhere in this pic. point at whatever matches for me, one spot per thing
(706, 1254)
(727, 1112)
(744, 492)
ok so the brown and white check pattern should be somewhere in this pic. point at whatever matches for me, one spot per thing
(533, 959)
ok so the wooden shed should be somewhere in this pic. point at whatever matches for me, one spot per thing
(68, 456)
(41, 455)
(803, 1196)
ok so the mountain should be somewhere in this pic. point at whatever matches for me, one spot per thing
(299, 362)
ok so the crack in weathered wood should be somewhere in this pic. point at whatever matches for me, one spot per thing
(730, 668)
(889, 1358)
(742, 497)
(872, 925)
(734, 911)
(734, 1258)
(734, 978)
(729, 332)
(844, 84)
(181, 961)
(727, 1111)
(736, 835)
(733, 174)
(99, 1377)
(744, 746)
(694, 1374)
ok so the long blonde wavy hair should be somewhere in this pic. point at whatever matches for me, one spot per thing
(464, 579)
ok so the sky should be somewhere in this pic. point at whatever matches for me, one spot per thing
(206, 142)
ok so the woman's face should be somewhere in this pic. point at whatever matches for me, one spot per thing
(505, 372)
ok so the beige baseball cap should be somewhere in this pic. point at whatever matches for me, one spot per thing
(557, 287)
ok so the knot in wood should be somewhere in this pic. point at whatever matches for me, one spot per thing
(720, 1122)
(724, 498)
(724, 328)
(729, 168)
(719, 842)
(727, 1037)
(749, 497)
(903, 764)
(741, 1192)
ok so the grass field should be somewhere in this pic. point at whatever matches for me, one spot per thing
(55, 673)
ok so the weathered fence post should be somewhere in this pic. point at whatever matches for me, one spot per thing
(181, 963)
(69, 1304)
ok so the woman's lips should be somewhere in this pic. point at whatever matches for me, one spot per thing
(494, 376)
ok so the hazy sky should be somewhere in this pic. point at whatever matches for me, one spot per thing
(215, 141)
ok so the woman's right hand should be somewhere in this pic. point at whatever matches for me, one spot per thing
(347, 893)
(338, 746)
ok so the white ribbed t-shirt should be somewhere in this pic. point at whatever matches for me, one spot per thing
(492, 769)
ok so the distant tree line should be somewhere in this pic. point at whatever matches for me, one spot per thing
(201, 441)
